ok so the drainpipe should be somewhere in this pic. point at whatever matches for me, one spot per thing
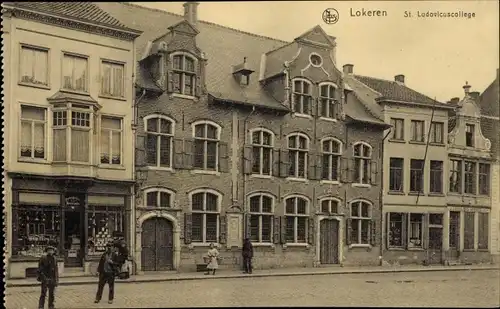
(381, 197)
(245, 176)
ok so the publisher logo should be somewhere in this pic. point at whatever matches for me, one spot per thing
(330, 16)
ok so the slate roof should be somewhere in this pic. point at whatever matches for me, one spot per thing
(82, 11)
(224, 47)
(391, 90)
(489, 100)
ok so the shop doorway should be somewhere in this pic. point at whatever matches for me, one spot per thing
(73, 239)
(454, 236)
(329, 241)
(435, 248)
(157, 245)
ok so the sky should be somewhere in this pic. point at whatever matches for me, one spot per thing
(436, 55)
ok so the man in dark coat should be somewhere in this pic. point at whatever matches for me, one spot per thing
(48, 275)
(107, 270)
(247, 256)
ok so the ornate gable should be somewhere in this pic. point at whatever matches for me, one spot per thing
(184, 27)
(317, 37)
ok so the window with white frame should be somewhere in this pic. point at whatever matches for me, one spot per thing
(416, 230)
(329, 105)
(469, 135)
(261, 218)
(262, 150)
(360, 222)
(436, 177)
(405, 230)
(362, 162)
(455, 176)
(398, 129)
(111, 140)
(184, 75)
(417, 131)
(34, 66)
(113, 79)
(296, 214)
(33, 124)
(332, 150)
(72, 126)
(484, 179)
(330, 206)
(159, 139)
(205, 217)
(470, 177)
(437, 132)
(158, 198)
(416, 175)
(396, 180)
(75, 73)
(206, 142)
(298, 149)
(302, 96)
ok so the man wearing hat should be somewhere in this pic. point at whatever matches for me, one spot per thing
(107, 270)
(48, 276)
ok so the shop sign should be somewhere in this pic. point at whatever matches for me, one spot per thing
(72, 201)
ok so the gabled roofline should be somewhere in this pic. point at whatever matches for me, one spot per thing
(439, 105)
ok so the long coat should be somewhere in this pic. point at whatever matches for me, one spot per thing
(114, 258)
(247, 251)
(47, 269)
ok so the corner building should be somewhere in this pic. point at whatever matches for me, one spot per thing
(241, 135)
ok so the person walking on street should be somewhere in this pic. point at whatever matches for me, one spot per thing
(106, 271)
(213, 256)
(247, 253)
(48, 275)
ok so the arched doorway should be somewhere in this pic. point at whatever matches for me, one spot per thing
(329, 241)
(157, 242)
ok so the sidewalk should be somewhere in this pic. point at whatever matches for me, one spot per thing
(229, 274)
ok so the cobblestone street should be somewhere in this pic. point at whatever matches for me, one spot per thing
(434, 289)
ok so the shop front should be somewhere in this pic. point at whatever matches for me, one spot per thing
(77, 216)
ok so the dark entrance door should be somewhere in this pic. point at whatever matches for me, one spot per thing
(435, 245)
(73, 238)
(454, 236)
(329, 241)
(157, 245)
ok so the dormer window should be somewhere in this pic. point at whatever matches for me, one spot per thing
(184, 75)
(469, 135)
(302, 98)
(242, 72)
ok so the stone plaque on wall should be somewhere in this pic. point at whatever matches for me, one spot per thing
(234, 230)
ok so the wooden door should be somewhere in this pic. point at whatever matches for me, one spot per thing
(329, 241)
(157, 245)
(435, 245)
(454, 235)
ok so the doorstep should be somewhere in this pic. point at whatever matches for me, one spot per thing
(281, 272)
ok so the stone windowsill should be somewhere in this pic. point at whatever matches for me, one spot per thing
(417, 142)
(396, 193)
(361, 185)
(329, 182)
(204, 172)
(297, 179)
(261, 176)
(33, 160)
(400, 141)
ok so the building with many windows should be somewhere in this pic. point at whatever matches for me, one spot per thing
(489, 102)
(241, 135)
(68, 97)
(415, 157)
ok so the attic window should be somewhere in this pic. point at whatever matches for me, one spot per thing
(469, 135)
(184, 75)
(315, 60)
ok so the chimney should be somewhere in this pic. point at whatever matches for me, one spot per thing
(400, 78)
(348, 68)
(475, 95)
(454, 101)
(191, 12)
(466, 88)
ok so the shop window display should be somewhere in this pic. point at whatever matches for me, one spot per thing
(103, 223)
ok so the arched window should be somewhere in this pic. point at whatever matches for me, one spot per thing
(206, 145)
(158, 198)
(184, 74)
(332, 150)
(360, 222)
(362, 162)
(205, 208)
(261, 217)
(328, 103)
(302, 98)
(298, 150)
(330, 206)
(159, 137)
(262, 151)
(296, 214)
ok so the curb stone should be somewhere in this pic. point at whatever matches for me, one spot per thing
(139, 279)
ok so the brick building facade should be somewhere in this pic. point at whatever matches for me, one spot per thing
(240, 135)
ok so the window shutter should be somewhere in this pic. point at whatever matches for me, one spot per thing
(284, 164)
(222, 229)
(223, 158)
(318, 108)
(344, 170)
(248, 223)
(311, 168)
(283, 229)
(319, 167)
(310, 232)
(198, 86)
(404, 230)
(178, 153)
(276, 162)
(292, 101)
(170, 75)
(351, 167)
(373, 232)
(425, 227)
(188, 226)
(373, 172)
(277, 230)
(348, 229)
(140, 150)
(188, 154)
(247, 159)
(310, 102)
